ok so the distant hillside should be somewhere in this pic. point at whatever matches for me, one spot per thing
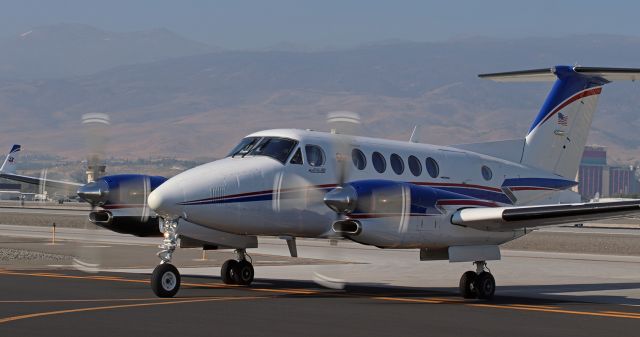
(66, 50)
(200, 105)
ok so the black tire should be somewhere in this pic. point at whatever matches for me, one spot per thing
(467, 285)
(165, 280)
(485, 285)
(243, 273)
(226, 272)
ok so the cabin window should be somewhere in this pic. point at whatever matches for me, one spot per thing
(415, 166)
(379, 163)
(315, 155)
(274, 147)
(297, 158)
(397, 164)
(245, 146)
(486, 172)
(432, 167)
(359, 160)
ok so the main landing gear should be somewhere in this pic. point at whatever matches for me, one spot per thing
(479, 283)
(238, 271)
(165, 279)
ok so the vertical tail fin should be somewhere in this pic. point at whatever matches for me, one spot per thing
(9, 165)
(556, 138)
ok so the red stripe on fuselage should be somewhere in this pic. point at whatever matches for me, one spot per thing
(251, 194)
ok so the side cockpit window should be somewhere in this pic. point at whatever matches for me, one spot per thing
(315, 155)
(297, 158)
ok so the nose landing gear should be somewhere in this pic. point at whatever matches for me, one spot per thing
(165, 279)
(478, 284)
(239, 271)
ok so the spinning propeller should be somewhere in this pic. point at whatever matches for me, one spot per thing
(96, 127)
(341, 199)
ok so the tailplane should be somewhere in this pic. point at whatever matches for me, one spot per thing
(9, 165)
(556, 138)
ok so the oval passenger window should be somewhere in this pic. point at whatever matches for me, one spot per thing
(432, 167)
(486, 173)
(359, 160)
(378, 162)
(414, 166)
(397, 164)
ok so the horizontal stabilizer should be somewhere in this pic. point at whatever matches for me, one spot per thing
(549, 74)
(511, 218)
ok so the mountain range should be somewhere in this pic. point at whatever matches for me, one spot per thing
(185, 99)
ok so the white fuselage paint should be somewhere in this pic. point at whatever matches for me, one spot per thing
(302, 212)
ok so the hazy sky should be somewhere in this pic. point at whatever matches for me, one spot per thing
(261, 23)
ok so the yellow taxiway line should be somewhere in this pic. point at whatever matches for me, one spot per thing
(124, 306)
(160, 301)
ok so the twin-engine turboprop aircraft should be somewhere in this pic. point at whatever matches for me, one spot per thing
(456, 203)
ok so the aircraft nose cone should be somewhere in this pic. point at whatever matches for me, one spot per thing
(95, 192)
(157, 200)
(162, 200)
(341, 199)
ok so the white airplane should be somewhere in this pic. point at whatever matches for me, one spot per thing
(456, 203)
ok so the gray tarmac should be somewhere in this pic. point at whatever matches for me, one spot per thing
(67, 303)
(561, 281)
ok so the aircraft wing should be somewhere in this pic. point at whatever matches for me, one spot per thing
(510, 218)
(41, 181)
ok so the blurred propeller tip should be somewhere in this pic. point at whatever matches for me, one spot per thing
(96, 117)
(328, 282)
(85, 266)
(343, 117)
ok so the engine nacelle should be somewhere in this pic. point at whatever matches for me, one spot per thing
(123, 199)
(393, 214)
(134, 225)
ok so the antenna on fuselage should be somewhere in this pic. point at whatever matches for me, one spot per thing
(414, 134)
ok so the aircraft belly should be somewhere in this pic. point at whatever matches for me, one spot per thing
(259, 218)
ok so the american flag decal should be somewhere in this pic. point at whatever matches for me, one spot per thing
(562, 119)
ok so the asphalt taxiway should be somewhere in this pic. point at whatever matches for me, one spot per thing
(66, 303)
(388, 292)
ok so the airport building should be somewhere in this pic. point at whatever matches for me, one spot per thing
(9, 191)
(597, 177)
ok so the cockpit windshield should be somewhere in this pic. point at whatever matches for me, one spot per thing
(244, 147)
(274, 147)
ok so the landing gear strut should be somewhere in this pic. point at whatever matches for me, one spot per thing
(165, 279)
(478, 284)
(238, 271)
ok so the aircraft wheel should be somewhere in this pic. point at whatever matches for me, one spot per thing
(227, 271)
(468, 285)
(165, 280)
(485, 285)
(243, 273)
